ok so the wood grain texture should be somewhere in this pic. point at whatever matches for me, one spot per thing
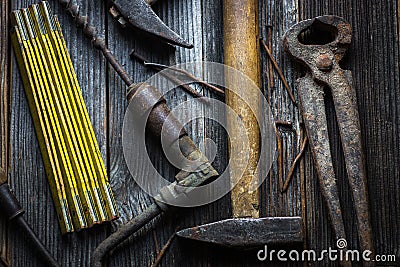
(4, 109)
(280, 16)
(242, 52)
(373, 59)
(27, 175)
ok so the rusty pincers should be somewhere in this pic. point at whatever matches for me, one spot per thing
(322, 62)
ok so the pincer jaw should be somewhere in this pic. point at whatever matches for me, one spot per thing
(307, 53)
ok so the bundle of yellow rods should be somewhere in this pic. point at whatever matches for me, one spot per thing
(71, 155)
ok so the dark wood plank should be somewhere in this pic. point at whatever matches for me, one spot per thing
(4, 108)
(280, 15)
(373, 59)
(27, 175)
(4, 84)
(132, 199)
(276, 17)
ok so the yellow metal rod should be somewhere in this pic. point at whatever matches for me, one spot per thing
(74, 165)
(44, 89)
(45, 139)
(59, 42)
(78, 155)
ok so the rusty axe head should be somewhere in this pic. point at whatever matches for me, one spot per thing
(139, 14)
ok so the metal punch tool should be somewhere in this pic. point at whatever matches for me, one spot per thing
(324, 71)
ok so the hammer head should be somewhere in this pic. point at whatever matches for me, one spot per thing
(138, 14)
(248, 233)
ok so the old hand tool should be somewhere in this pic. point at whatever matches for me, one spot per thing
(324, 71)
(138, 14)
(71, 155)
(149, 101)
(12, 210)
(246, 229)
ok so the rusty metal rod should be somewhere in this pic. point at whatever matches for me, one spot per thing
(98, 42)
(270, 68)
(161, 254)
(160, 67)
(146, 98)
(280, 73)
(126, 230)
(295, 163)
(169, 76)
(186, 73)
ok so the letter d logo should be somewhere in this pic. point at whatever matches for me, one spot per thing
(259, 253)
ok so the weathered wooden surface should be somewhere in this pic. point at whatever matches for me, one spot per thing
(27, 175)
(374, 60)
(4, 107)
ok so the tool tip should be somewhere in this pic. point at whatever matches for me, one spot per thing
(247, 232)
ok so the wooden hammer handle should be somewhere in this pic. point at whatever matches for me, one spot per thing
(242, 53)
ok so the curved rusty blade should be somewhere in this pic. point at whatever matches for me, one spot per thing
(139, 14)
(311, 98)
(248, 233)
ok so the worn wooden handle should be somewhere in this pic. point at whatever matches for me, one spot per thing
(242, 53)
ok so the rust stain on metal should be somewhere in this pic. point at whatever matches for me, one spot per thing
(279, 71)
(285, 187)
(322, 61)
(248, 232)
(138, 14)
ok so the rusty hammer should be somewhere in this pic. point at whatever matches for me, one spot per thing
(138, 14)
(246, 229)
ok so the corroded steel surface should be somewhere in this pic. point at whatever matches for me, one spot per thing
(139, 15)
(322, 61)
(248, 233)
